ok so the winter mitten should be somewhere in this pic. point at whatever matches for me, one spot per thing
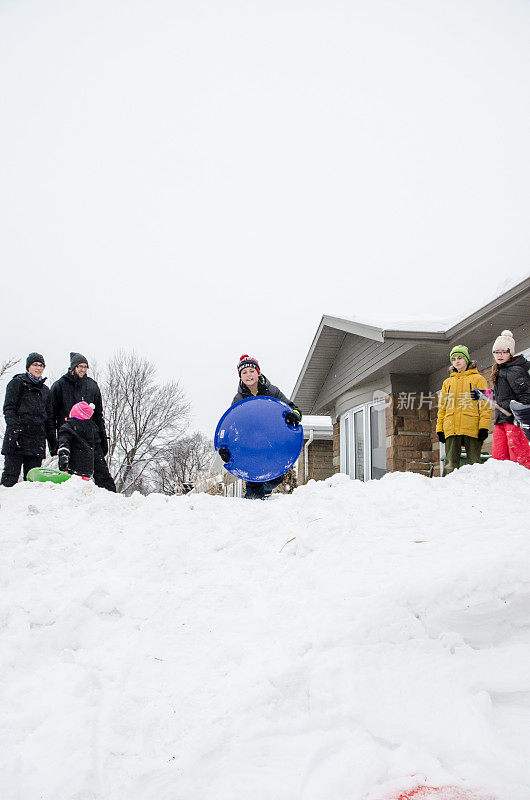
(482, 434)
(224, 453)
(292, 419)
(476, 394)
(441, 436)
(53, 448)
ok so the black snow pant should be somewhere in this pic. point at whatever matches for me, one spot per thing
(13, 465)
(259, 491)
(102, 476)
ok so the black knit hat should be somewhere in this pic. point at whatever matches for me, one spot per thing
(247, 361)
(76, 359)
(35, 358)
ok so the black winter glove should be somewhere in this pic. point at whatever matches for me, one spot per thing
(476, 394)
(53, 447)
(224, 454)
(482, 434)
(292, 419)
(104, 445)
(441, 436)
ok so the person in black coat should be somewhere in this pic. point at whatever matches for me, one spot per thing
(29, 421)
(511, 381)
(251, 384)
(77, 440)
(73, 387)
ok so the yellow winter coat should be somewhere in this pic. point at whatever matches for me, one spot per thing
(458, 414)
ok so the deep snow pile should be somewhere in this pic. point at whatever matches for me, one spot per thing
(177, 649)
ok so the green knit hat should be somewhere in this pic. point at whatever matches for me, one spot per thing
(460, 350)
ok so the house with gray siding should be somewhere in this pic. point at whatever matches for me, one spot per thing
(380, 385)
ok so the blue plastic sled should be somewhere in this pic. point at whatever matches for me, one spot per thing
(521, 413)
(261, 443)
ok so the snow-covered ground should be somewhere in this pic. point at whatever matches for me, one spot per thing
(349, 642)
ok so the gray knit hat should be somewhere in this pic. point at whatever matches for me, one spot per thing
(35, 358)
(76, 359)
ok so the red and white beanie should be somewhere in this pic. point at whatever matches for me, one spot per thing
(247, 361)
(505, 342)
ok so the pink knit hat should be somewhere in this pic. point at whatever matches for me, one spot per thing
(82, 410)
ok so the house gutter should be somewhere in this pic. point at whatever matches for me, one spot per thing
(306, 454)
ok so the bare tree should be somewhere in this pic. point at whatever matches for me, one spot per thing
(144, 419)
(289, 482)
(8, 364)
(5, 366)
(182, 462)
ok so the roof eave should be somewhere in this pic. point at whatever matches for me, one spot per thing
(346, 325)
(504, 301)
(431, 336)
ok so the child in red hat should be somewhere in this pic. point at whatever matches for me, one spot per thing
(251, 384)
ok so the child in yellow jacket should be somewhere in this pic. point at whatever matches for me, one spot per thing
(462, 421)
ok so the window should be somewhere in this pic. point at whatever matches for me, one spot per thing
(363, 442)
(378, 440)
(346, 449)
(358, 422)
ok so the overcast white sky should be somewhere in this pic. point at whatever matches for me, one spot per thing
(198, 180)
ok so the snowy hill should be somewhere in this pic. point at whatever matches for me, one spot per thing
(181, 649)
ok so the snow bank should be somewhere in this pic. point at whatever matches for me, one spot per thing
(184, 649)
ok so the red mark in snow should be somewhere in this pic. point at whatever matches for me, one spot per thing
(440, 793)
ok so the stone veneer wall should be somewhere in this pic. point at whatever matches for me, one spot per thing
(411, 441)
(320, 461)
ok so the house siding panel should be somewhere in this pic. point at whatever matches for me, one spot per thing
(355, 361)
(362, 394)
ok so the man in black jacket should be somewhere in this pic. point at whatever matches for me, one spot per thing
(72, 388)
(29, 422)
(251, 384)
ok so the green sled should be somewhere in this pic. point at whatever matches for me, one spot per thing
(42, 475)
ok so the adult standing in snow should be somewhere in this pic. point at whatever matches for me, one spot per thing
(511, 381)
(29, 421)
(251, 384)
(73, 387)
(462, 421)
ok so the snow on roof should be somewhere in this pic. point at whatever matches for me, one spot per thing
(314, 421)
(438, 325)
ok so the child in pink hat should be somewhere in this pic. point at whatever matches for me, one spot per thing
(76, 441)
